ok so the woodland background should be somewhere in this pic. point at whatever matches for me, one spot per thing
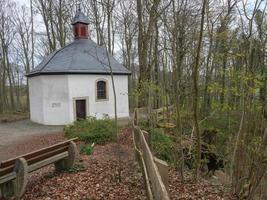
(204, 61)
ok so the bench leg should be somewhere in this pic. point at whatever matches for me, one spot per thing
(16, 187)
(7, 189)
(21, 180)
(69, 162)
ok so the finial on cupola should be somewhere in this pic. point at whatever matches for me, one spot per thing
(80, 25)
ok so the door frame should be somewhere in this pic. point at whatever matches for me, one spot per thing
(86, 98)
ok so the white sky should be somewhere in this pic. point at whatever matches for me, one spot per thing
(23, 1)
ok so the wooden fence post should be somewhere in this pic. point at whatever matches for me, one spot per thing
(135, 117)
(163, 170)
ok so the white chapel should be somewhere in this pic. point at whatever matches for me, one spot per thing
(74, 82)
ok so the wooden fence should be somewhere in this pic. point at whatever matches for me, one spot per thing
(155, 171)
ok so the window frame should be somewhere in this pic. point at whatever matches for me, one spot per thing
(96, 90)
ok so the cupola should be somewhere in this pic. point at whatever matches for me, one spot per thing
(80, 25)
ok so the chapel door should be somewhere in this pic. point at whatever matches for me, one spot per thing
(80, 109)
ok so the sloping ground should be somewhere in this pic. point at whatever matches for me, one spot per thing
(191, 190)
(100, 180)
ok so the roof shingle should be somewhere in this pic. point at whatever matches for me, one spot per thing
(82, 56)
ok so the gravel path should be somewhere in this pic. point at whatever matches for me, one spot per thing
(20, 132)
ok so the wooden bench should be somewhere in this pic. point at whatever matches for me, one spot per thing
(14, 172)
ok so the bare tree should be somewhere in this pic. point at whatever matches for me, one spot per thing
(196, 92)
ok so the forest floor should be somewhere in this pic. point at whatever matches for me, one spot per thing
(99, 178)
(206, 189)
(12, 117)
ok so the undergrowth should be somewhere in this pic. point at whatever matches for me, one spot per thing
(92, 130)
(161, 144)
(217, 132)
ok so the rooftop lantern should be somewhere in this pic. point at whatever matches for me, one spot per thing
(80, 25)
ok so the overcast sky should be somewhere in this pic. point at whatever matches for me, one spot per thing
(24, 1)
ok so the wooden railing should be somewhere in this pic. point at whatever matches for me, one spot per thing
(155, 171)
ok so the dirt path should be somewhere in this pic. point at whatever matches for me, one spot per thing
(19, 134)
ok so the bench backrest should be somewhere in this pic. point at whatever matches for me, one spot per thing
(7, 167)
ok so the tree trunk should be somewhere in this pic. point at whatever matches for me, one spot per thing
(195, 94)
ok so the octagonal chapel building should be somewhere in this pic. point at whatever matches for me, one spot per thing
(75, 82)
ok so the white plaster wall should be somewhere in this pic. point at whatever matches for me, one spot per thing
(85, 86)
(36, 99)
(56, 100)
(52, 97)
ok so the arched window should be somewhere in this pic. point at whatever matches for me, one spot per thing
(101, 90)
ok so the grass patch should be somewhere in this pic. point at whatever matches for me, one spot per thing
(87, 149)
(92, 130)
(76, 168)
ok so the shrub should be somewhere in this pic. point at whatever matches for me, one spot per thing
(144, 125)
(87, 149)
(92, 130)
(224, 126)
(161, 144)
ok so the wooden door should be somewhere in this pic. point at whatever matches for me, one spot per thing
(80, 109)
